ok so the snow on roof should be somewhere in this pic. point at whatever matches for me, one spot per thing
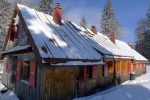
(17, 48)
(105, 45)
(70, 63)
(87, 33)
(57, 41)
(129, 51)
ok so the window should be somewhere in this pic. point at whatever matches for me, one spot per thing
(105, 70)
(118, 67)
(89, 72)
(124, 66)
(110, 68)
(137, 66)
(25, 71)
(140, 66)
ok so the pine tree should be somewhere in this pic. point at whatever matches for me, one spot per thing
(83, 22)
(146, 42)
(146, 45)
(143, 35)
(6, 11)
(139, 32)
(4, 20)
(148, 17)
(28, 3)
(46, 6)
(109, 23)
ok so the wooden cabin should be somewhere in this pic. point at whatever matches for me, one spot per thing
(125, 59)
(46, 58)
(116, 60)
(138, 65)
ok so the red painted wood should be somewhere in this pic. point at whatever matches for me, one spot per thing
(122, 69)
(17, 32)
(7, 65)
(95, 72)
(18, 71)
(129, 66)
(134, 67)
(84, 73)
(32, 73)
(12, 33)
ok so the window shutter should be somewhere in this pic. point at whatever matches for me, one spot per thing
(18, 71)
(17, 31)
(84, 73)
(129, 66)
(134, 67)
(123, 66)
(32, 73)
(94, 72)
(12, 33)
(7, 65)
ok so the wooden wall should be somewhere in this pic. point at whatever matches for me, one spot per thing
(58, 83)
(122, 72)
(91, 86)
(24, 91)
(8, 78)
(23, 88)
(140, 68)
(63, 83)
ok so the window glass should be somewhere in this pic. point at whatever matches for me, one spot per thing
(110, 68)
(118, 67)
(89, 72)
(25, 70)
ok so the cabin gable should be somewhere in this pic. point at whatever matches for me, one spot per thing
(17, 36)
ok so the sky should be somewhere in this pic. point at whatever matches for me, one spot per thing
(128, 12)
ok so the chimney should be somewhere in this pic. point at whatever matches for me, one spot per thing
(93, 29)
(57, 14)
(131, 45)
(112, 37)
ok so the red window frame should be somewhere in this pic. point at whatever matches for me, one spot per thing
(32, 79)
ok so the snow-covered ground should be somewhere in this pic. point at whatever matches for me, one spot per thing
(9, 95)
(138, 89)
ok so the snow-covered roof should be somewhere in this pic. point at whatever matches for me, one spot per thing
(93, 43)
(71, 63)
(57, 41)
(106, 43)
(129, 51)
(16, 49)
(103, 44)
